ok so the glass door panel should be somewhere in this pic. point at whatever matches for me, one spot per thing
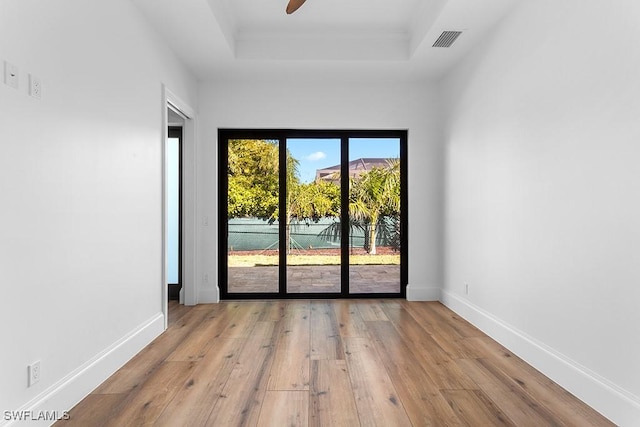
(313, 216)
(252, 224)
(374, 215)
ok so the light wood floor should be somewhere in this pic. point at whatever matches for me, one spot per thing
(329, 363)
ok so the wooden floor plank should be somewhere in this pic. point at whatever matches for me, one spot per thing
(194, 402)
(437, 362)
(519, 406)
(138, 369)
(284, 408)
(350, 322)
(216, 365)
(274, 310)
(94, 410)
(420, 396)
(447, 337)
(241, 399)
(326, 342)
(371, 310)
(195, 345)
(290, 369)
(375, 395)
(486, 348)
(460, 325)
(565, 407)
(331, 400)
(476, 409)
(242, 322)
(176, 311)
(147, 403)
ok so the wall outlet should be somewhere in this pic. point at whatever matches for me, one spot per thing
(466, 289)
(35, 87)
(34, 373)
(11, 75)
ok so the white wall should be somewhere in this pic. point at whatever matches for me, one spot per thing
(334, 105)
(80, 186)
(543, 194)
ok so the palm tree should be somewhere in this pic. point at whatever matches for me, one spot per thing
(373, 195)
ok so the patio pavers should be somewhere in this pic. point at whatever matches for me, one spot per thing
(315, 279)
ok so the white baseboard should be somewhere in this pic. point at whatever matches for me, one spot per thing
(66, 393)
(615, 403)
(208, 296)
(423, 293)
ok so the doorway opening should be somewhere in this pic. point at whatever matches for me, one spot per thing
(177, 113)
(173, 172)
(314, 214)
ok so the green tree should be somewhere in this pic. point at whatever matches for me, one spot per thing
(253, 170)
(373, 195)
(311, 202)
(253, 179)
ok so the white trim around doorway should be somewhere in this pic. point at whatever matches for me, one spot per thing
(189, 292)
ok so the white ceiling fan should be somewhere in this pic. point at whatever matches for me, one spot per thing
(294, 5)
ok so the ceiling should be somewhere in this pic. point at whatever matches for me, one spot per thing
(357, 39)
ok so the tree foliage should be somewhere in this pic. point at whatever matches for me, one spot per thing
(253, 179)
(253, 173)
(373, 196)
(314, 200)
(253, 169)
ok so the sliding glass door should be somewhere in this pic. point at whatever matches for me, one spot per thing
(312, 213)
(375, 210)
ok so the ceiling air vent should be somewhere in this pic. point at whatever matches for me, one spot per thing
(447, 38)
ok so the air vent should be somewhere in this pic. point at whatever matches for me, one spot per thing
(447, 38)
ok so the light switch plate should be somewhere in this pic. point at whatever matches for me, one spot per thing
(11, 77)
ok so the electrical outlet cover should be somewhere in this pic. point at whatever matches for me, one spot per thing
(35, 86)
(34, 373)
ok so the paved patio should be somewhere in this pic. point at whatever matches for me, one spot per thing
(315, 279)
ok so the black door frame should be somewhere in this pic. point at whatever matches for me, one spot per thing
(173, 291)
(281, 135)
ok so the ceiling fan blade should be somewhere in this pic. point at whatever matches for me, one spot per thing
(294, 5)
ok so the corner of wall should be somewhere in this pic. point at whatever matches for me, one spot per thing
(620, 406)
(423, 293)
(74, 387)
(209, 296)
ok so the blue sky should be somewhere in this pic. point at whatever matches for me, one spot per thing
(321, 153)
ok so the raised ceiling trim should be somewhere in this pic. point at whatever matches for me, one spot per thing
(333, 47)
